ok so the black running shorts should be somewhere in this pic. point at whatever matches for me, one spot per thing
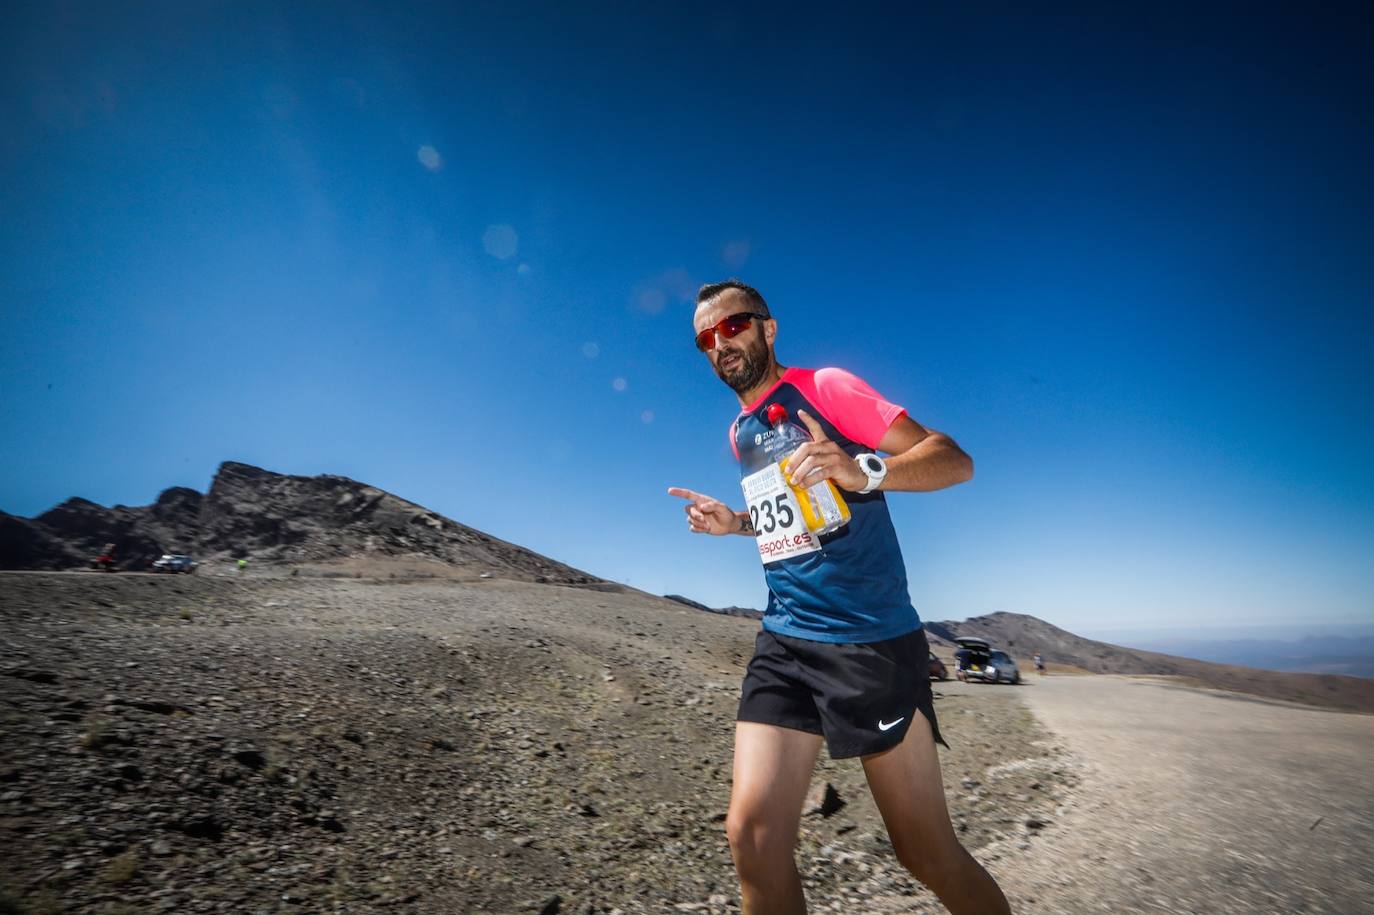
(860, 696)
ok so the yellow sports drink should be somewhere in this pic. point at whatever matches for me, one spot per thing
(822, 507)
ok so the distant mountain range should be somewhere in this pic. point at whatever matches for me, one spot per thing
(254, 513)
(747, 612)
(1023, 636)
(1347, 653)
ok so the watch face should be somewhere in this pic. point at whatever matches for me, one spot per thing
(873, 464)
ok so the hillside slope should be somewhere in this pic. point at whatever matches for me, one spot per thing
(257, 743)
(255, 513)
(746, 612)
(1024, 635)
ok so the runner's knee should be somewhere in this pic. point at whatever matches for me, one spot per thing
(755, 839)
(932, 863)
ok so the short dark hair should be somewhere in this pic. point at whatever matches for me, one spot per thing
(756, 302)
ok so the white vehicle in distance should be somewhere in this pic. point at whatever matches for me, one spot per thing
(174, 562)
(977, 660)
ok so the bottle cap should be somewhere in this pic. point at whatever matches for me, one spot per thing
(776, 413)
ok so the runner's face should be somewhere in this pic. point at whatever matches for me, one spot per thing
(741, 361)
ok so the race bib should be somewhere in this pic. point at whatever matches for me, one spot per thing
(778, 523)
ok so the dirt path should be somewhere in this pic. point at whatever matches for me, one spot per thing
(1200, 801)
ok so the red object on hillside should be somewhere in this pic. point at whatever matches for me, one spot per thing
(105, 561)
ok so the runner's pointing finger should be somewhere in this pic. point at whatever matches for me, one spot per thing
(813, 426)
(705, 503)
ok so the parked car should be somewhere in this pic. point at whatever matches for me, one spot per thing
(977, 660)
(937, 668)
(174, 562)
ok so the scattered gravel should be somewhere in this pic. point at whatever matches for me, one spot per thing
(279, 744)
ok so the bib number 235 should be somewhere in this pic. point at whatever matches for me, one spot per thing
(770, 514)
(778, 525)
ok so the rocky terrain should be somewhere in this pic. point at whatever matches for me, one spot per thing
(254, 513)
(1024, 635)
(293, 744)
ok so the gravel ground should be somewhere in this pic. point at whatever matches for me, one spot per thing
(246, 744)
(1202, 801)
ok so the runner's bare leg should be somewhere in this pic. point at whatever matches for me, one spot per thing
(910, 794)
(773, 767)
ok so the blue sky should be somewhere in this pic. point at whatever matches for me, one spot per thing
(1122, 257)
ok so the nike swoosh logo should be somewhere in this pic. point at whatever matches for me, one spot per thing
(885, 726)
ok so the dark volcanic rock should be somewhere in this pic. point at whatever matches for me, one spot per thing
(25, 545)
(174, 519)
(251, 511)
(81, 518)
(83, 527)
(254, 513)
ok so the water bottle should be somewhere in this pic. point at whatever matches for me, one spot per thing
(822, 507)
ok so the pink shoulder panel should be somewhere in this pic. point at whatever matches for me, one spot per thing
(851, 405)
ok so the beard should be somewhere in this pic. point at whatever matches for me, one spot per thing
(748, 370)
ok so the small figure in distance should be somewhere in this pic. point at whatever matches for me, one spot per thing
(105, 562)
(1039, 664)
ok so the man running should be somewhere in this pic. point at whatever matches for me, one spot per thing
(842, 656)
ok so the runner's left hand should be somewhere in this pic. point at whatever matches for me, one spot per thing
(822, 458)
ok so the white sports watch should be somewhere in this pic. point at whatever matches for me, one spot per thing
(875, 468)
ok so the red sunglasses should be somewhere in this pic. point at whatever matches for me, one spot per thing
(727, 328)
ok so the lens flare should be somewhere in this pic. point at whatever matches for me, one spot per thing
(429, 157)
(653, 295)
(501, 241)
(651, 301)
(735, 253)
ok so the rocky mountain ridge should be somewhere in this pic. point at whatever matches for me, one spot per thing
(746, 612)
(255, 513)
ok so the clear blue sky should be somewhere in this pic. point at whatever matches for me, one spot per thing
(1122, 257)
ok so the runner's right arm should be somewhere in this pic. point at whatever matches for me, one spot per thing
(706, 515)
